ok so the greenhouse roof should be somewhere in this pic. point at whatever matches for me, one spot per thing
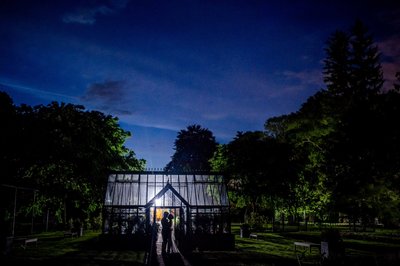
(129, 189)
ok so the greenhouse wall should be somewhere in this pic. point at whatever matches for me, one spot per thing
(135, 201)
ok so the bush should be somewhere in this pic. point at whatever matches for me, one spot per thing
(257, 221)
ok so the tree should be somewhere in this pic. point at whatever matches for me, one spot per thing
(259, 172)
(219, 161)
(352, 70)
(351, 147)
(73, 150)
(194, 147)
(334, 134)
(304, 132)
(336, 69)
(8, 138)
(366, 71)
(66, 153)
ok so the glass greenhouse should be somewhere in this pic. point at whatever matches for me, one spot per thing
(135, 201)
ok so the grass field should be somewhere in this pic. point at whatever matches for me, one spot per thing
(53, 249)
(373, 248)
(381, 247)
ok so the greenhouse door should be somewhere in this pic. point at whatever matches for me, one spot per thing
(169, 200)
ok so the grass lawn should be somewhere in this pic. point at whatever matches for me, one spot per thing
(53, 249)
(378, 248)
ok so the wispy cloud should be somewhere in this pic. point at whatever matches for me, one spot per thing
(48, 95)
(107, 95)
(87, 15)
(109, 91)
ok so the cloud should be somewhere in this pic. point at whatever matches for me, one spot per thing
(109, 91)
(108, 95)
(390, 50)
(87, 15)
(48, 95)
(390, 46)
(389, 73)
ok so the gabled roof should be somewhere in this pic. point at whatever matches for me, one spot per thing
(130, 189)
(163, 191)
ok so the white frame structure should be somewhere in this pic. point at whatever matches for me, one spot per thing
(201, 198)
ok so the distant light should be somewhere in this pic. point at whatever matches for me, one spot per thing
(158, 202)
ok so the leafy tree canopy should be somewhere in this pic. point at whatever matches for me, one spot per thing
(194, 147)
(65, 152)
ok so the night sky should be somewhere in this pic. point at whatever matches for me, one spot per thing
(160, 66)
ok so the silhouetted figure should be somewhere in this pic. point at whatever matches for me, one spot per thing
(170, 224)
(165, 232)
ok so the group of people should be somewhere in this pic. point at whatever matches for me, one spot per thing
(166, 232)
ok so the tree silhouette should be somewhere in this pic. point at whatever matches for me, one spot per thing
(194, 147)
(66, 153)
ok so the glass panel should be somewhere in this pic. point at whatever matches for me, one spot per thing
(160, 178)
(143, 189)
(120, 177)
(182, 190)
(143, 178)
(206, 194)
(199, 194)
(199, 178)
(117, 191)
(174, 178)
(190, 178)
(191, 196)
(152, 178)
(207, 190)
(214, 193)
(111, 178)
(151, 191)
(135, 193)
(159, 187)
(182, 178)
(224, 195)
(125, 194)
(108, 199)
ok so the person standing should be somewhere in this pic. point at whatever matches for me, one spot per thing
(165, 232)
(170, 223)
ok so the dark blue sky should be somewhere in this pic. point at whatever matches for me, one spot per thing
(163, 65)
